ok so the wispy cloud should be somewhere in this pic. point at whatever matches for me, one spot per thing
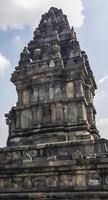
(3, 130)
(20, 13)
(103, 79)
(4, 64)
(18, 39)
(102, 125)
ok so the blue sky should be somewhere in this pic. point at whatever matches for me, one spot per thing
(90, 19)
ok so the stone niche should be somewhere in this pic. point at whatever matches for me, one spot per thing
(67, 180)
(79, 92)
(25, 97)
(41, 93)
(26, 118)
(94, 180)
(46, 97)
(81, 180)
(91, 116)
(57, 113)
(71, 113)
(70, 89)
(52, 181)
(46, 114)
(57, 92)
(37, 115)
(82, 114)
(35, 96)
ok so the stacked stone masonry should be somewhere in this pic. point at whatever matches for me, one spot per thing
(54, 150)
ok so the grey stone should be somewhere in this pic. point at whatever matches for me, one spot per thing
(53, 149)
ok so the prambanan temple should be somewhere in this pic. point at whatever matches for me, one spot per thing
(54, 150)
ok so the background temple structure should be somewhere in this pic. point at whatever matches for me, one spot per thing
(54, 150)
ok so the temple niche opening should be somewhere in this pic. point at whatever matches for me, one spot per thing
(54, 150)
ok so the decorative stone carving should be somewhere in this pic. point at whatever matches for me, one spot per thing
(74, 48)
(36, 54)
(27, 182)
(51, 63)
(52, 181)
(52, 152)
(77, 155)
(94, 180)
(57, 92)
(67, 180)
(52, 158)
(27, 156)
(16, 155)
(46, 51)
(24, 56)
(37, 34)
(56, 51)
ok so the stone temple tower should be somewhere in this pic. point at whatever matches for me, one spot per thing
(54, 150)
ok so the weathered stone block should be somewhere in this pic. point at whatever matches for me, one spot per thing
(26, 118)
(25, 97)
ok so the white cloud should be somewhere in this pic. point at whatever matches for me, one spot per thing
(102, 125)
(103, 79)
(18, 39)
(3, 131)
(4, 64)
(101, 101)
(20, 13)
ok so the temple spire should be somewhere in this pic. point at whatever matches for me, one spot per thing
(55, 86)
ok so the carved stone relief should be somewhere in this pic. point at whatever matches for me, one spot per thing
(70, 90)
(72, 113)
(51, 63)
(67, 180)
(56, 51)
(52, 181)
(46, 114)
(36, 55)
(57, 92)
(59, 113)
(94, 179)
